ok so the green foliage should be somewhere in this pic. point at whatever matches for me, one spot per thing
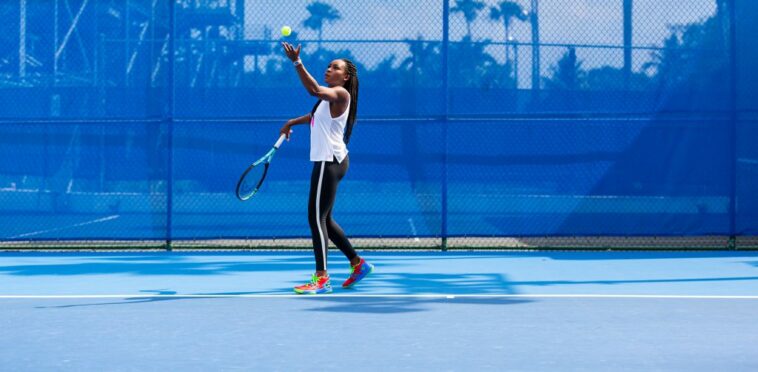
(320, 13)
(609, 78)
(693, 54)
(567, 73)
(506, 11)
(423, 67)
(470, 10)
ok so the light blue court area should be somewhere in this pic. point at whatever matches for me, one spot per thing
(463, 311)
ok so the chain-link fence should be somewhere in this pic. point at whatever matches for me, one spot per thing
(530, 123)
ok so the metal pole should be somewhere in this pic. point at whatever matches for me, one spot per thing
(734, 77)
(446, 107)
(169, 121)
(535, 25)
(55, 42)
(96, 51)
(126, 43)
(515, 64)
(627, 43)
(22, 39)
(152, 44)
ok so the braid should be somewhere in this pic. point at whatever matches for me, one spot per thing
(352, 87)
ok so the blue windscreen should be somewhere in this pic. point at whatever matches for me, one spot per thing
(133, 119)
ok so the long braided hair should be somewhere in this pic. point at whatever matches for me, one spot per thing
(351, 85)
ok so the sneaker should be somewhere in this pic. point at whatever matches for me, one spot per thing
(318, 284)
(357, 273)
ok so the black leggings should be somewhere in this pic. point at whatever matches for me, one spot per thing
(325, 178)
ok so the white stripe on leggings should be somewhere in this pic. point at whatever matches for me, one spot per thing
(318, 214)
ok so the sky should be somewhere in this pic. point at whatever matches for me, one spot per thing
(598, 22)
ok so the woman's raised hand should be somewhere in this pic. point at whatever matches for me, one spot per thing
(292, 53)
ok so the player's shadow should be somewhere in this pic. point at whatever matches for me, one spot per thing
(416, 292)
(159, 295)
(388, 293)
(160, 264)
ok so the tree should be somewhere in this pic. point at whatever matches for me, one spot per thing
(567, 77)
(423, 67)
(470, 10)
(471, 67)
(567, 73)
(320, 13)
(608, 79)
(690, 55)
(692, 69)
(506, 11)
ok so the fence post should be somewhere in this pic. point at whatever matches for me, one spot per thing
(732, 45)
(446, 104)
(169, 122)
(627, 44)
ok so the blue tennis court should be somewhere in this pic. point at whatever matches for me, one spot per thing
(418, 311)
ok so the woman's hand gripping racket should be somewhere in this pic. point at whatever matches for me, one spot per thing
(252, 178)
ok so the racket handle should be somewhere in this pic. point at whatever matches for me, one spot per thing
(279, 142)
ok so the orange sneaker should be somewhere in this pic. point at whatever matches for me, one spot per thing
(318, 285)
(358, 272)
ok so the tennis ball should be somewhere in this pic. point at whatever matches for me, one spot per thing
(286, 30)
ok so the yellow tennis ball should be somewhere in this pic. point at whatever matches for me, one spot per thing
(286, 30)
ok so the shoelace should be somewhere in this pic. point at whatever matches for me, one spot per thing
(314, 280)
(352, 269)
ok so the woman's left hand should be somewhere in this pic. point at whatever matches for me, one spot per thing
(286, 130)
(292, 53)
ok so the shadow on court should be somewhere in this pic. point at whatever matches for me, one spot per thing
(164, 263)
(321, 303)
(161, 264)
(401, 283)
(394, 305)
(214, 263)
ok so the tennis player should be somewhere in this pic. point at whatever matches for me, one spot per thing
(331, 121)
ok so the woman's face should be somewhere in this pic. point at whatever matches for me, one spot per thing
(336, 73)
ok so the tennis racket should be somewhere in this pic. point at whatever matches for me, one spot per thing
(252, 178)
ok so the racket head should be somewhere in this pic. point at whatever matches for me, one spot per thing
(252, 179)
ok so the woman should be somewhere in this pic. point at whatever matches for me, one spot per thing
(331, 121)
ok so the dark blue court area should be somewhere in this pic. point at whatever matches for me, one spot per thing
(548, 311)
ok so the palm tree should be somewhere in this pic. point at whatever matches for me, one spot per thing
(568, 73)
(423, 64)
(320, 13)
(472, 67)
(568, 77)
(470, 10)
(505, 12)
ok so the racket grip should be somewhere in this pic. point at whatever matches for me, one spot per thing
(279, 142)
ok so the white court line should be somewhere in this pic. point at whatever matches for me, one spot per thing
(418, 296)
(65, 227)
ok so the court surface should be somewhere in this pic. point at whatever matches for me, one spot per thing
(121, 311)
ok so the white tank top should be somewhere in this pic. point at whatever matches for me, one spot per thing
(327, 134)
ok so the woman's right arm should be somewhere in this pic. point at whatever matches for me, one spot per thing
(287, 128)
